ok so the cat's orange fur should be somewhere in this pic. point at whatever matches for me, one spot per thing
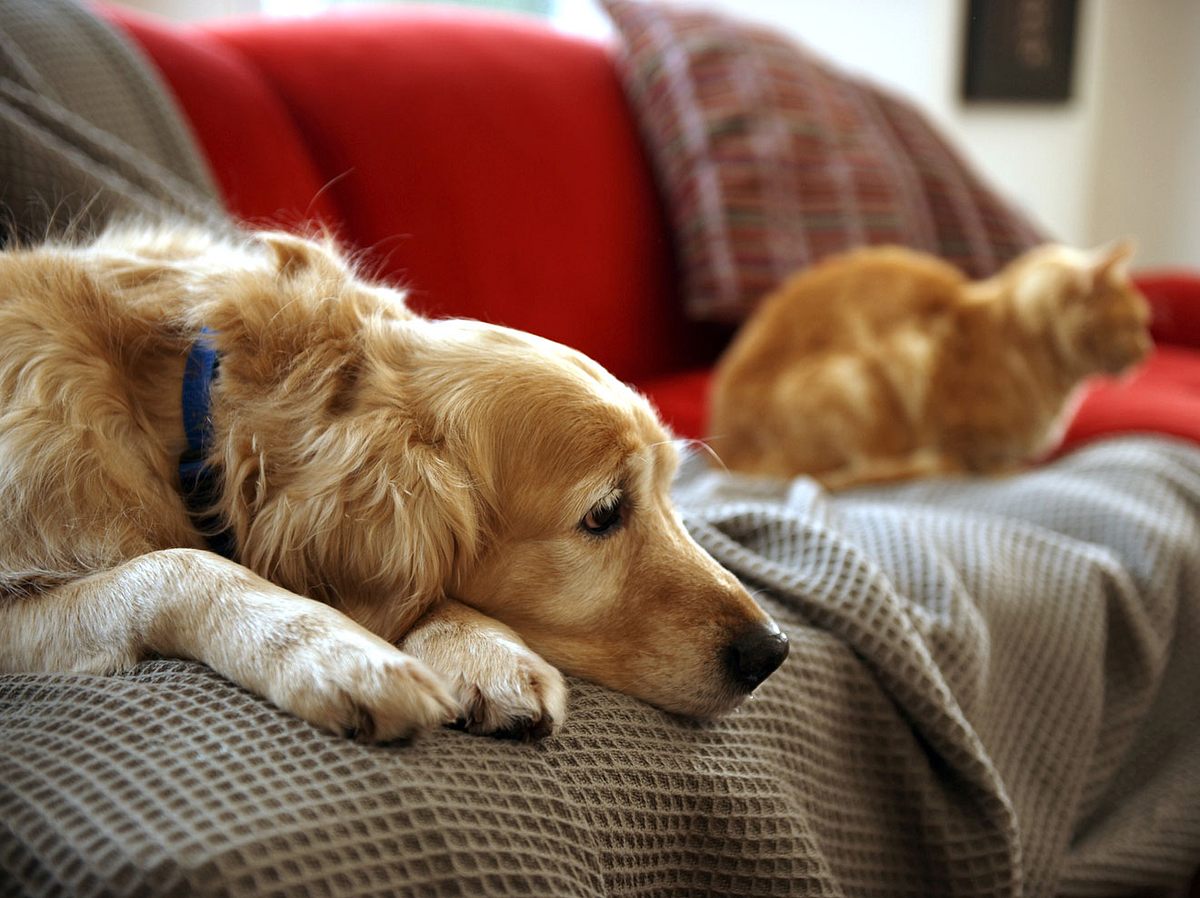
(886, 363)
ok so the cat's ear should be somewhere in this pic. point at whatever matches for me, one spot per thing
(1111, 262)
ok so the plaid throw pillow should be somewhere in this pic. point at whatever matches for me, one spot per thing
(770, 159)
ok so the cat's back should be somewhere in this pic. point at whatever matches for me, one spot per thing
(877, 285)
(847, 303)
(832, 369)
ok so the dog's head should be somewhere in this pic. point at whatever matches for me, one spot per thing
(580, 549)
(457, 458)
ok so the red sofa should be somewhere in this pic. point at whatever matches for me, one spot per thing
(495, 168)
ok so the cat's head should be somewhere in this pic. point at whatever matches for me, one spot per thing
(1097, 317)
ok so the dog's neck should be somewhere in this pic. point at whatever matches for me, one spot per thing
(200, 483)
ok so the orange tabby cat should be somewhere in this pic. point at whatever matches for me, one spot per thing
(887, 363)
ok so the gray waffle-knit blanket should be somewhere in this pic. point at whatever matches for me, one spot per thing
(87, 129)
(992, 691)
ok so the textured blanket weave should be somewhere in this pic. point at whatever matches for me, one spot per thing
(87, 129)
(991, 692)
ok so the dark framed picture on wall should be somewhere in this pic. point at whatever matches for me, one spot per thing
(1019, 51)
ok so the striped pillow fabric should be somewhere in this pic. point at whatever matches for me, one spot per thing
(770, 159)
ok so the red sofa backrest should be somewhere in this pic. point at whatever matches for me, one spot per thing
(488, 163)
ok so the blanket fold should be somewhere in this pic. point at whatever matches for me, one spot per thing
(87, 129)
(990, 692)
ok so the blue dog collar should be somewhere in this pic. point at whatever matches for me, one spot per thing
(199, 483)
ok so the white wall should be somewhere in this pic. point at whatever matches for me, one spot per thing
(1147, 135)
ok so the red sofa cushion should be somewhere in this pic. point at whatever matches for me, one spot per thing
(490, 164)
(1161, 397)
(1175, 298)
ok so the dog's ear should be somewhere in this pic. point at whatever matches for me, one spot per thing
(384, 519)
(275, 303)
(300, 314)
(294, 256)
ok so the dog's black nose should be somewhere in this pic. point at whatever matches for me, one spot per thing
(755, 654)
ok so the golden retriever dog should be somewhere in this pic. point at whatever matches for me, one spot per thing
(427, 520)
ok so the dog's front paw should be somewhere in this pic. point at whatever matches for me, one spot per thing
(515, 695)
(349, 682)
(504, 688)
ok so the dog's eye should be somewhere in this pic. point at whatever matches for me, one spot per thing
(604, 517)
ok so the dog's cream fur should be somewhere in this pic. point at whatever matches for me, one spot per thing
(390, 479)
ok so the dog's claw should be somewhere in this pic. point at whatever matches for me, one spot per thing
(520, 728)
